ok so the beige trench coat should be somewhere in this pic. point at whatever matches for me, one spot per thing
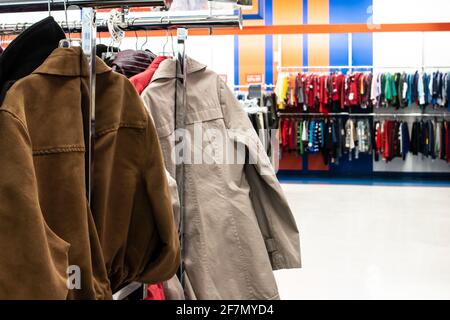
(238, 225)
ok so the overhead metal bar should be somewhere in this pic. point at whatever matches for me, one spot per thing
(8, 6)
(187, 22)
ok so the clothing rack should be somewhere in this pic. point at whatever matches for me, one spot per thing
(360, 67)
(348, 114)
(89, 27)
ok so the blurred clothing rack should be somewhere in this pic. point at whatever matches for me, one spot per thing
(360, 67)
(348, 114)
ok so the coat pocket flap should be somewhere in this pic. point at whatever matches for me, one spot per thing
(203, 115)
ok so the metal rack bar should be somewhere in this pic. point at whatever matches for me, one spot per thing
(143, 23)
(7, 6)
(89, 49)
(180, 112)
(248, 85)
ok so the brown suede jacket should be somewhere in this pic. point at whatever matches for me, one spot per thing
(46, 224)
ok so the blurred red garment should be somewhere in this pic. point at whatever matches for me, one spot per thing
(155, 292)
(142, 80)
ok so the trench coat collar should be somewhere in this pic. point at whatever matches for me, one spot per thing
(69, 62)
(167, 68)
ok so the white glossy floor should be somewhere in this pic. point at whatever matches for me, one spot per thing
(370, 242)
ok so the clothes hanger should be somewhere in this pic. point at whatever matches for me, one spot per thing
(69, 42)
(137, 39)
(146, 40)
(164, 53)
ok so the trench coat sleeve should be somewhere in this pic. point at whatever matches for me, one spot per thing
(166, 263)
(33, 260)
(273, 214)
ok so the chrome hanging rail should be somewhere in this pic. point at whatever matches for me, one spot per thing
(144, 23)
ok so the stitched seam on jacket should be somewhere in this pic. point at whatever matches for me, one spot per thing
(140, 125)
(24, 127)
(63, 149)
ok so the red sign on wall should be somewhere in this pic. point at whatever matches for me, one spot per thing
(254, 78)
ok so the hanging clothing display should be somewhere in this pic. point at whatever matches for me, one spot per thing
(157, 291)
(245, 200)
(334, 92)
(132, 62)
(281, 91)
(331, 136)
(394, 140)
(142, 80)
(130, 233)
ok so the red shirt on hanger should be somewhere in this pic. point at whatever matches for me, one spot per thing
(142, 80)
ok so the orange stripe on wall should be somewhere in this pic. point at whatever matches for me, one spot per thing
(318, 55)
(318, 45)
(251, 57)
(287, 12)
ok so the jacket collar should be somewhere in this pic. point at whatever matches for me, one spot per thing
(69, 62)
(167, 68)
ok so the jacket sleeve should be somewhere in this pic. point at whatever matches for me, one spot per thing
(33, 260)
(166, 263)
(273, 214)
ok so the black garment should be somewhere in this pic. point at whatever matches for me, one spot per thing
(415, 146)
(328, 147)
(405, 139)
(27, 52)
(375, 136)
(431, 140)
(443, 145)
(435, 86)
(396, 99)
(415, 88)
(448, 90)
(270, 101)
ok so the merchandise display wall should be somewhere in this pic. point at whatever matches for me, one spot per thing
(241, 60)
(233, 231)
